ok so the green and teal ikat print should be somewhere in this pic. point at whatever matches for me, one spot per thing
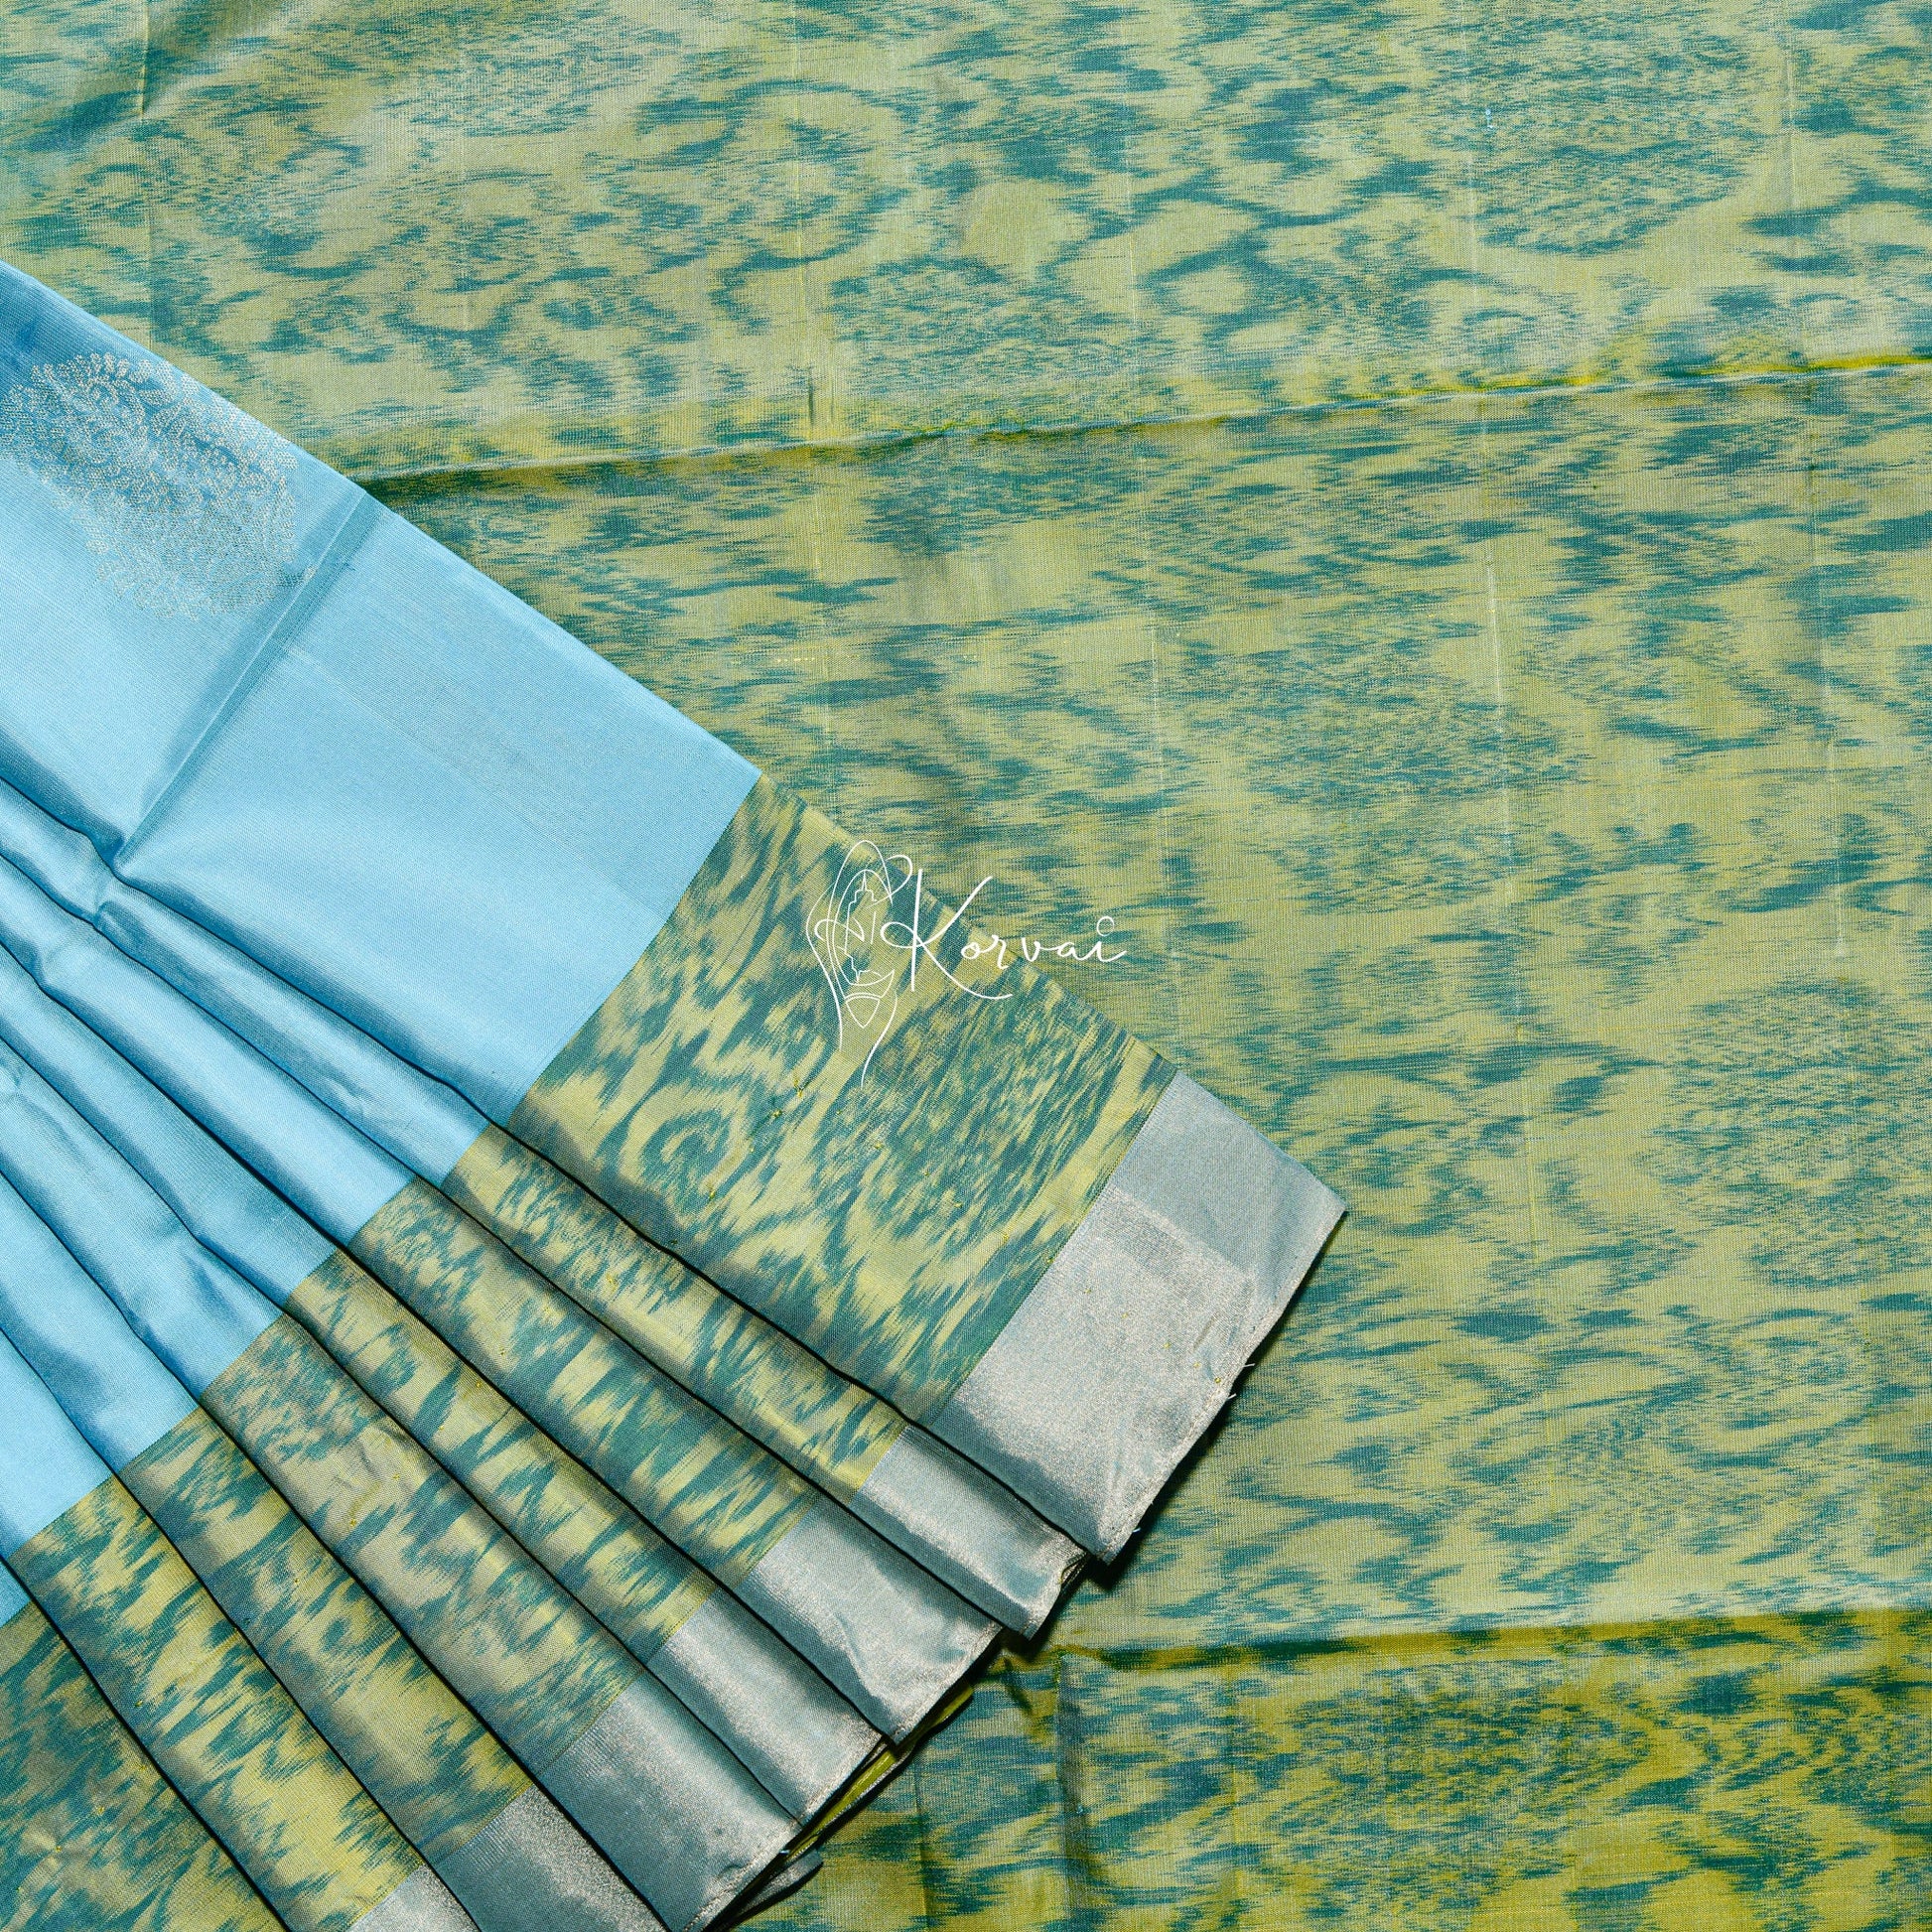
(221, 1728)
(1418, 515)
(92, 1838)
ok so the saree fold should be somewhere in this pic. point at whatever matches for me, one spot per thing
(665, 1802)
(890, 1636)
(778, 1716)
(92, 1838)
(188, 1685)
(308, 728)
(882, 1630)
(950, 1517)
(510, 1858)
(971, 1193)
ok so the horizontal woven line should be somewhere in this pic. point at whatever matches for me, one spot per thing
(1469, 1641)
(1510, 389)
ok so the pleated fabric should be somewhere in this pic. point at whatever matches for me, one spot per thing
(597, 1290)
(188, 1684)
(881, 1629)
(503, 1849)
(948, 1515)
(92, 1838)
(768, 1046)
(776, 1713)
(665, 1801)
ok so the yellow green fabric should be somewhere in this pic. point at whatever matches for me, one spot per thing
(755, 1375)
(499, 234)
(436, 1773)
(1448, 586)
(1728, 1773)
(720, 1497)
(886, 1184)
(1539, 856)
(225, 1732)
(593, 1543)
(92, 1838)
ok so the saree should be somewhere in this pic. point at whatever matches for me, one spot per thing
(225, 1731)
(882, 1630)
(505, 1852)
(938, 1508)
(1418, 513)
(673, 1810)
(1026, 1202)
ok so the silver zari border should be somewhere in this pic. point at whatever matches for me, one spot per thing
(1115, 1364)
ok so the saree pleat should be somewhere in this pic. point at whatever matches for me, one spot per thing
(949, 1516)
(188, 1685)
(732, 1507)
(778, 1716)
(764, 1042)
(1422, 513)
(502, 1848)
(665, 1802)
(774, 1712)
(887, 1634)
(92, 1838)
(969, 1530)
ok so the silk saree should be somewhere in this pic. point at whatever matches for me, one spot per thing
(1412, 517)
(973, 1287)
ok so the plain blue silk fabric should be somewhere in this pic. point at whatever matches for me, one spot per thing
(316, 731)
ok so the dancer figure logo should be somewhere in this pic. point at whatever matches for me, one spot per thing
(872, 929)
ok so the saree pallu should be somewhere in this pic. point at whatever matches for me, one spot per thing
(300, 724)
(92, 1838)
(885, 1632)
(185, 1681)
(509, 1857)
(664, 1799)
(947, 1515)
